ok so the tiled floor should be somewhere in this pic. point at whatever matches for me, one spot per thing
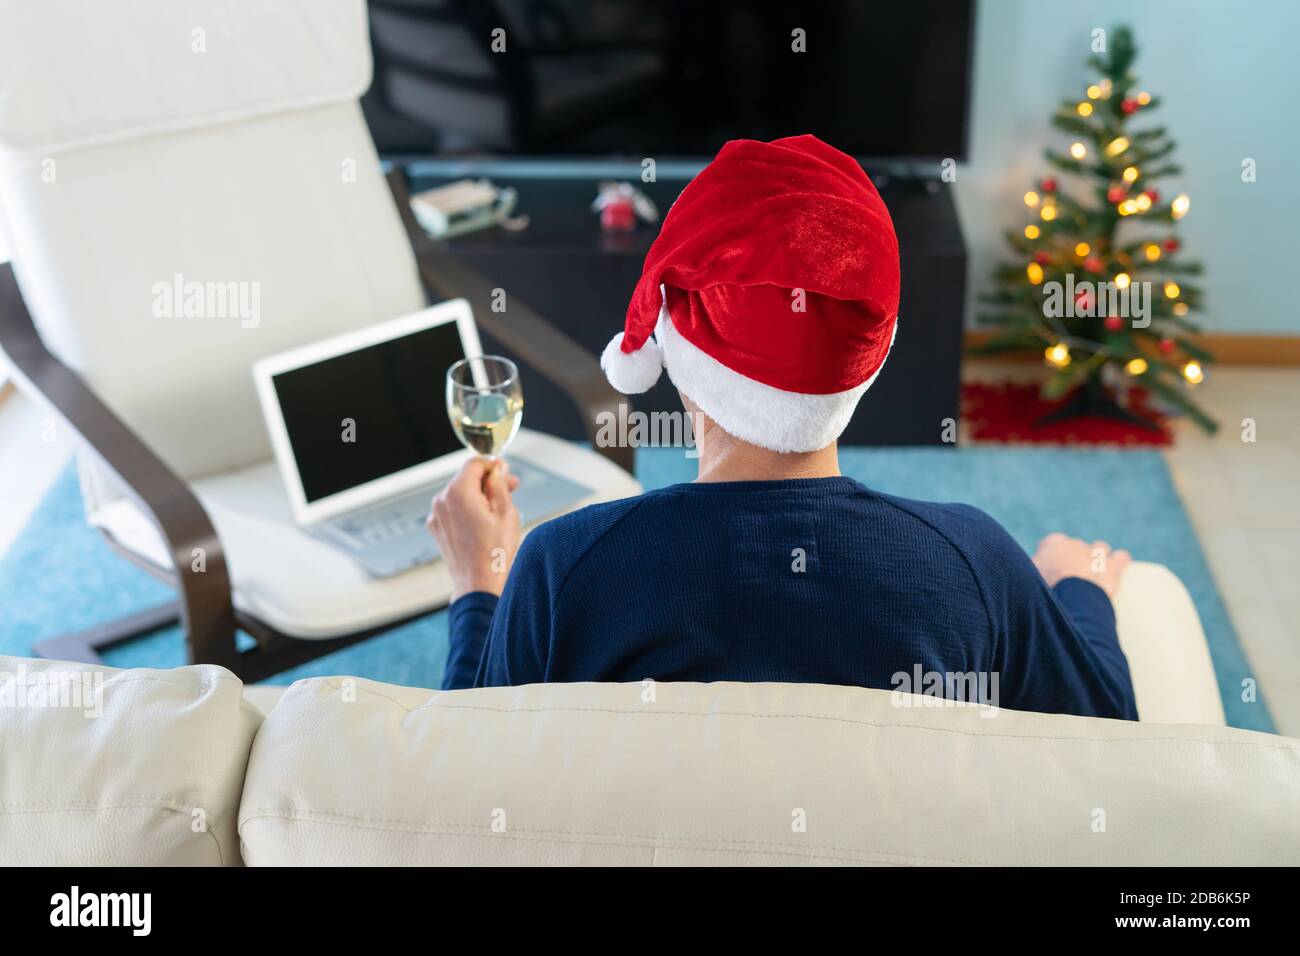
(1242, 498)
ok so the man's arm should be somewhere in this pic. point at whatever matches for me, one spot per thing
(1058, 649)
(1055, 648)
(517, 641)
(500, 642)
(468, 621)
(477, 529)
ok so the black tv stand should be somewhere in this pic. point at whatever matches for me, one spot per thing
(581, 279)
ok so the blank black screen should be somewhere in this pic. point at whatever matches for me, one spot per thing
(665, 78)
(395, 392)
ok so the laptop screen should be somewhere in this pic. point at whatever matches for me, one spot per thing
(370, 413)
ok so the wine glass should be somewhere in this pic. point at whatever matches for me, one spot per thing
(485, 403)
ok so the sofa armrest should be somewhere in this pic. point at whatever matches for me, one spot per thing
(1168, 656)
(206, 606)
(540, 344)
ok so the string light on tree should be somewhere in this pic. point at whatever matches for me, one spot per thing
(1058, 355)
(1116, 159)
(1117, 146)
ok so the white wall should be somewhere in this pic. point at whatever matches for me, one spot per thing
(1229, 77)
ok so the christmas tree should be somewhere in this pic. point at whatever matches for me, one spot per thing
(1098, 284)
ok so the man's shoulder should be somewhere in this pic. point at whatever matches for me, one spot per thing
(951, 519)
(562, 541)
(994, 557)
(591, 519)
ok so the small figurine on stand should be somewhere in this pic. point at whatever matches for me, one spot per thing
(620, 204)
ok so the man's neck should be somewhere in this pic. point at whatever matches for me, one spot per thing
(723, 458)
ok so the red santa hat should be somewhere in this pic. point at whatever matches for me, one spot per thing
(772, 293)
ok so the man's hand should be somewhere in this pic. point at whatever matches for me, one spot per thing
(477, 527)
(1059, 556)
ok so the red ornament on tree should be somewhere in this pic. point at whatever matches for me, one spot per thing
(1128, 107)
(1042, 258)
(1114, 323)
(1083, 301)
(1167, 346)
(1092, 264)
(1115, 194)
(1153, 195)
(1049, 185)
(1171, 245)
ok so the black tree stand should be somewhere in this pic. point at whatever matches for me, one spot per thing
(1091, 399)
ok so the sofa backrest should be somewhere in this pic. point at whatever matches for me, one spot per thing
(108, 767)
(347, 771)
(187, 186)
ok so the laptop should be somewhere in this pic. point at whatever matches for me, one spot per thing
(361, 436)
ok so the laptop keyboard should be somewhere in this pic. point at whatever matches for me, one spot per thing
(398, 517)
(389, 536)
(386, 520)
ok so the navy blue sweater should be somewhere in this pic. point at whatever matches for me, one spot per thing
(817, 580)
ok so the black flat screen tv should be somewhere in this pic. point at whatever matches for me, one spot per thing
(624, 79)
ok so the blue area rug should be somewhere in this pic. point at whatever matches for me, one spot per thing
(60, 575)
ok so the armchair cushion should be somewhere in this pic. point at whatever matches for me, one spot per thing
(175, 215)
(307, 252)
(305, 588)
(170, 64)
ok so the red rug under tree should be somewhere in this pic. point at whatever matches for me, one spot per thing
(1011, 412)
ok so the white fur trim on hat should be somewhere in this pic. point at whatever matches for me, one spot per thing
(632, 372)
(749, 410)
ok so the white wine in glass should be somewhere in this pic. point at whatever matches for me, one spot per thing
(485, 403)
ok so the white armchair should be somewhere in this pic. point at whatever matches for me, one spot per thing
(220, 142)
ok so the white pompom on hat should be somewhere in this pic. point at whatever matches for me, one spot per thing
(632, 372)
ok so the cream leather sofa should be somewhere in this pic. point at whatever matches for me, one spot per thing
(189, 767)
